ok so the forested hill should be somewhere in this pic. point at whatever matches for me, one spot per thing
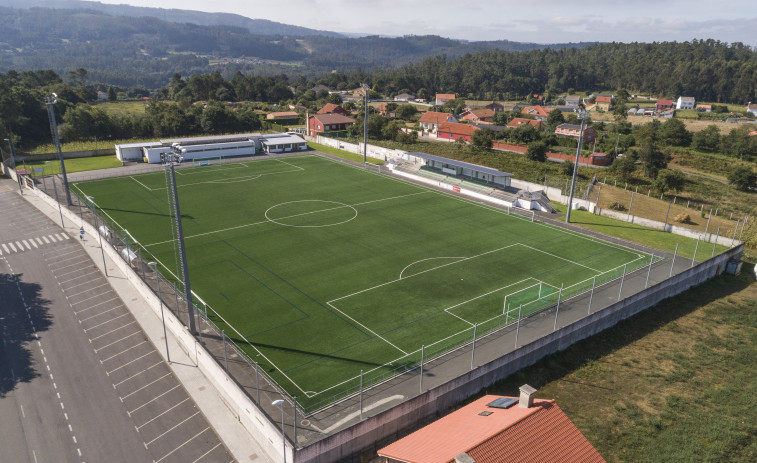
(706, 69)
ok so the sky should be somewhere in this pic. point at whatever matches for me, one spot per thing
(540, 21)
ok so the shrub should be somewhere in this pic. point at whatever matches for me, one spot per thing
(617, 206)
(682, 218)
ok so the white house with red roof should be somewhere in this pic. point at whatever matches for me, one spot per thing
(442, 98)
(430, 120)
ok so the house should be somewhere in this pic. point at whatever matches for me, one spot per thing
(488, 125)
(404, 97)
(283, 117)
(668, 113)
(704, 107)
(519, 121)
(442, 98)
(101, 96)
(603, 103)
(497, 429)
(664, 104)
(384, 112)
(331, 108)
(685, 102)
(573, 131)
(537, 111)
(331, 122)
(453, 131)
(494, 106)
(752, 108)
(478, 115)
(430, 120)
(572, 101)
(319, 88)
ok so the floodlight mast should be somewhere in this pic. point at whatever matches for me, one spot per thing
(365, 88)
(169, 160)
(50, 102)
(582, 114)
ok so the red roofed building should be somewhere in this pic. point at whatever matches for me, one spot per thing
(537, 111)
(664, 104)
(478, 115)
(430, 120)
(603, 103)
(573, 130)
(453, 130)
(518, 121)
(497, 429)
(328, 123)
(330, 108)
(442, 98)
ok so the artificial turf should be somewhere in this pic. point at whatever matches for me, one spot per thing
(328, 269)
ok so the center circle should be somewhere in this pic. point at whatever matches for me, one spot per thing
(309, 213)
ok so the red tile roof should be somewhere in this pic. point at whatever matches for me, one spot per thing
(535, 111)
(334, 118)
(603, 99)
(518, 121)
(540, 433)
(331, 108)
(434, 117)
(282, 115)
(457, 128)
(445, 96)
(664, 102)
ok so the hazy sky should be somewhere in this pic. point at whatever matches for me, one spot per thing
(541, 21)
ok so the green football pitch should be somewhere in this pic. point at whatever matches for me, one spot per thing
(318, 270)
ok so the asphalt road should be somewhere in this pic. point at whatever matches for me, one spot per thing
(79, 381)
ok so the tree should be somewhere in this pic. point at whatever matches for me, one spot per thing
(652, 159)
(334, 98)
(624, 167)
(673, 132)
(707, 139)
(743, 178)
(567, 168)
(112, 94)
(669, 180)
(555, 118)
(738, 143)
(406, 112)
(537, 151)
(483, 138)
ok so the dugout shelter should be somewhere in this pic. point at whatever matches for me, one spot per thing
(495, 177)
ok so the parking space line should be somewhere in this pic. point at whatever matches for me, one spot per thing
(83, 275)
(137, 374)
(113, 331)
(86, 290)
(107, 321)
(72, 271)
(125, 350)
(93, 306)
(174, 427)
(116, 342)
(145, 386)
(129, 363)
(182, 445)
(80, 284)
(154, 399)
(101, 313)
(91, 297)
(163, 413)
(206, 453)
(61, 250)
(85, 260)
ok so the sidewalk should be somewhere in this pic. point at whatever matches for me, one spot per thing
(238, 441)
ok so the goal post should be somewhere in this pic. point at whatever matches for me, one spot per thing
(532, 298)
(374, 167)
(208, 161)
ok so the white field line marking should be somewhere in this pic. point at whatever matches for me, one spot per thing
(141, 184)
(479, 297)
(366, 328)
(161, 414)
(423, 260)
(136, 374)
(146, 385)
(291, 165)
(231, 180)
(182, 445)
(561, 258)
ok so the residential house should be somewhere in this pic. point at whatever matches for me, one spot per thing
(668, 113)
(385, 112)
(331, 122)
(442, 98)
(404, 97)
(752, 108)
(331, 108)
(572, 101)
(494, 106)
(603, 103)
(519, 121)
(101, 96)
(283, 117)
(430, 120)
(318, 88)
(497, 429)
(453, 131)
(573, 131)
(488, 125)
(662, 105)
(685, 102)
(537, 112)
(478, 115)
(704, 108)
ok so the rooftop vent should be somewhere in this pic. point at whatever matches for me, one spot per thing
(485, 413)
(503, 402)
(526, 396)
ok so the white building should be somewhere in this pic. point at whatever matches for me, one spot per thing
(685, 102)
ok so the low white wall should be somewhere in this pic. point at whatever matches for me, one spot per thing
(245, 410)
(554, 194)
(453, 188)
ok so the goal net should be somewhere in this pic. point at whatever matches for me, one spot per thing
(529, 300)
(373, 167)
(198, 162)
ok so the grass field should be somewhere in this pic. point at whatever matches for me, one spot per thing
(76, 164)
(327, 269)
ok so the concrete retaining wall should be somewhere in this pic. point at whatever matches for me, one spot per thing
(66, 155)
(393, 422)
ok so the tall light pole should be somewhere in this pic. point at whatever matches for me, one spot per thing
(154, 267)
(582, 114)
(99, 233)
(366, 89)
(13, 166)
(169, 161)
(50, 102)
(280, 403)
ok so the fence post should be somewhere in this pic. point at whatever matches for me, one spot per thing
(225, 357)
(708, 223)
(674, 261)
(630, 204)
(649, 270)
(743, 225)
(715, 243)
(473, 351)
(733, 238)
(361, 394)
(517, 328)
(257, 380)
(199, 322)
(695, 252)
(557, 310)
(294, 423)
(591, 296)
(622, 280)
(421, 376)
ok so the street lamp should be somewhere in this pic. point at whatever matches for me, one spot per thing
(582, 114)
(365, 88)
(50, 101)
(154, 267)
(99, 233)
(13, 166)
(280, 403)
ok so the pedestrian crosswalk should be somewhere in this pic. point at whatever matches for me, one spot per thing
(28, 244)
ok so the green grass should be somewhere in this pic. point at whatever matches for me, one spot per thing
(343, 154)
(76, 165)
(328, 269)
(123, 108)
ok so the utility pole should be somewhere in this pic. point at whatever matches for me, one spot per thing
(582, 114)
(366, 89)
(50, 102)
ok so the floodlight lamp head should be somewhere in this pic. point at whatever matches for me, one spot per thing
(151, 264)
(278, 402)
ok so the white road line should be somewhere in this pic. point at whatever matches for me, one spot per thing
(1, 252)
(39, 241)
(20, 246)
(182, 445)
(81, 284)
(91, 297)
(113, 331)
(128, 363)
(46, 240)
(60, 236)
(69, 265)
(6, 248)
(71, 271)
(154, 398)
(77, 277)
(105, 322)
(136, 374)
(145, 386)
(207, 453)
(26, 243)
(31, 240)
(12, 247)
(86, 290)
(123, 351)
(163, 413)
(93, 306)
(172, 428)
(52, 238)
(116, 342)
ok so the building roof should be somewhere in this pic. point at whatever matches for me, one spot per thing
(535, 111)
(333, 118)
(330, 108)
(687, 98)
(518, 121)
(541, 433)
(405, 96)
(482, 113)
(320, 87)
(209, 139)
(445, 96)
(434, 117)
(466, 165)
(664, 102)
(603, 99)
(752, 106)
(282, 115)
(704, 106)
(572, 98)
(281, 139)
(457, 128)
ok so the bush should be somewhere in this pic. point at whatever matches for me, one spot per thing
(617, 206)
(682, 218)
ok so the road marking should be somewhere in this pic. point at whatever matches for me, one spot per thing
(39, 241)
(154, 399)
(46, 240)
(137, 374)
(116, 342)
(107, 321)
(206, 453)
(26, 243)
(12, 247)
(125, 350)
(155, 418)
(80, 276)
(93, 306)
(145, 386)
(101, 313)
(112, 331)
(87, 290)
(182, 445)
(174, 427)
(128, 363)
(51, 238)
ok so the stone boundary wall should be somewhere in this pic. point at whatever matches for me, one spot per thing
(393, 422)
